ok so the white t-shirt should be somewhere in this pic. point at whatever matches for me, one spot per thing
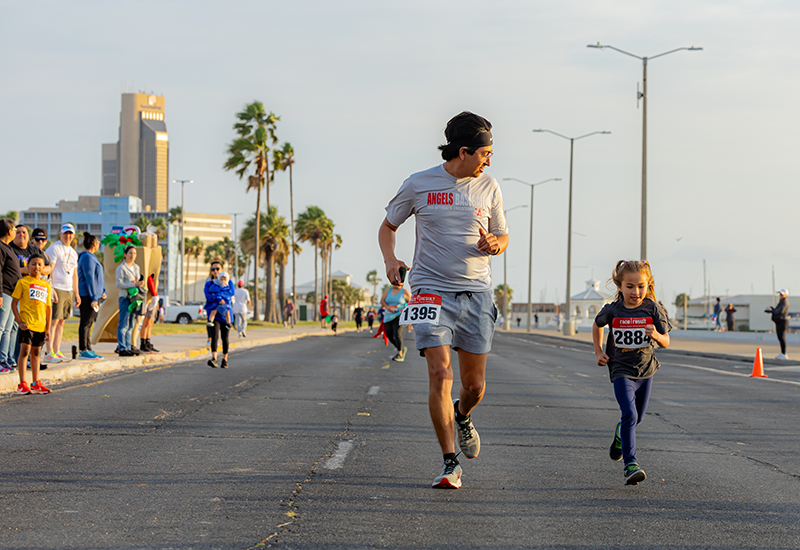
(448, 212)
(240, 298)
(64, 260)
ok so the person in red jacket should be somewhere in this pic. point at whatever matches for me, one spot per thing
(323, 312)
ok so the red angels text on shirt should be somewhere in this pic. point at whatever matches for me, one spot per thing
(440, 198)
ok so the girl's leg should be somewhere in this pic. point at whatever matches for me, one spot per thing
(625, 392)
(643, 387)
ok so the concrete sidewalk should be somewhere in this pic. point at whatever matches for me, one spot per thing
(173, 348)
(720, 345)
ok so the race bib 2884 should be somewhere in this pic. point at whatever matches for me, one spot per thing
(630, 332)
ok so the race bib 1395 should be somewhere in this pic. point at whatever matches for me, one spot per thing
(422, 309)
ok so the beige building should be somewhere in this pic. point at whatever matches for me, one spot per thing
(138, 164)
(210, 228)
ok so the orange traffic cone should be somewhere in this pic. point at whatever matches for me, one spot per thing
(758, 366)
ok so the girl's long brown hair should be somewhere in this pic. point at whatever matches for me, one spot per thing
(633, 266)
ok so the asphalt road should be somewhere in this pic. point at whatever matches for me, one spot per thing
(324, 443)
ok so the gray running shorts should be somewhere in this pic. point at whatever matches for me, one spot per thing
(466, 322)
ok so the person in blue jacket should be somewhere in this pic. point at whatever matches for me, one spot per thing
(219, 299)
(92, 290)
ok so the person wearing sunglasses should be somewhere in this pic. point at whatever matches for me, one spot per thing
(221, 329)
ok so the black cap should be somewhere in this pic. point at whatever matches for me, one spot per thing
(39, 232)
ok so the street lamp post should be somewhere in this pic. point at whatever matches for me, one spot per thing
(506, 322)
(236, 246)
(569, 324)
(530, 243)
(643, 96)
(183, 242)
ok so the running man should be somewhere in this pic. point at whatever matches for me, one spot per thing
(459, 225)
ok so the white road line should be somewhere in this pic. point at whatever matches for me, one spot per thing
(717, 371)
(337, 460)
(581, 374)
(540, 361)
(673, 403)
(373, 390)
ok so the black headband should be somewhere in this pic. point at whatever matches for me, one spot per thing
(481, 139)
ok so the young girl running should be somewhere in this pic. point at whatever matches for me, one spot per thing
(637, 323)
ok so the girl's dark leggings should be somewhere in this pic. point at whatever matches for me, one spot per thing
(393, 333)
(632, 397)
(780, 329)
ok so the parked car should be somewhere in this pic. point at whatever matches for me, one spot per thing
(183, 315)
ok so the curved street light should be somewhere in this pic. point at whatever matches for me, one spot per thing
(643, 96)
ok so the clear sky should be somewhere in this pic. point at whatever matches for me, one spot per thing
(364, 90)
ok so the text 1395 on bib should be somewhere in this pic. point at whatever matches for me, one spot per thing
(422, 309)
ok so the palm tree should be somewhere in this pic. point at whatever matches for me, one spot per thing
(499, 296)
(197, 249)
(284, 158)
(273, 235)
(312, 227)
(158, 223)
(255, 133)
(372, 277)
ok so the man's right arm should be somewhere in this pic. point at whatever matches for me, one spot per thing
(386, 241)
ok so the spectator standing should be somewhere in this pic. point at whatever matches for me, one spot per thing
(519, 319)
(64, 260)
(127, 276)
(717, 316)
(9, 275)
(729, 319)
(161, 311)
(92, 291)
(780, 316)
(150, 313)
(241, 308)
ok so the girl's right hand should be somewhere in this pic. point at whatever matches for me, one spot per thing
(602, 359)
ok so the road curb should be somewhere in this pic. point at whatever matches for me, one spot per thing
(668, 351)
(78, 368)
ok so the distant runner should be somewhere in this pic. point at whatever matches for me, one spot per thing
(459, 225)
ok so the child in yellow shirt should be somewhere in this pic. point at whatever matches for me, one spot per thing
(32, 308)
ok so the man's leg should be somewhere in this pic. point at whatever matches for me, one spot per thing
(58, 332)
(440, 402)
(472, 368)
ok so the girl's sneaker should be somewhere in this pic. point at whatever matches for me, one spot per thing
(51, 358)
(39, 388)
(61, 356)
(23, 389)
(86, 354)
(633, 474)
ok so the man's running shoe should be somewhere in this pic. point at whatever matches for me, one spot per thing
(450, 478)
(468, 438)
(633, 474)
(23, 389)
(39, 388)
(51, 358)
(86, 354)
(615, 452)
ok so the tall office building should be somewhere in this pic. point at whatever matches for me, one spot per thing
(138, 164)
